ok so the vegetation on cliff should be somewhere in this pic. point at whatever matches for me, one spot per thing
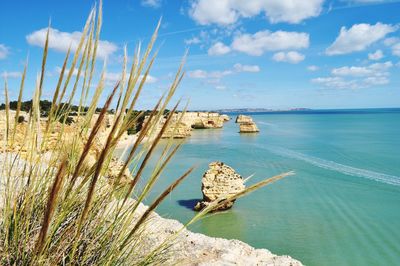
(56, 207)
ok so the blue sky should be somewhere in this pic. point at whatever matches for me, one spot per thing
(242, 54)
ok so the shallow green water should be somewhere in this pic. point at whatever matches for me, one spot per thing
(341, 208)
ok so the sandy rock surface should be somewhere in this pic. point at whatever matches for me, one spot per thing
(243, 119)
(218, 182)
(248, 127)
(197, 249)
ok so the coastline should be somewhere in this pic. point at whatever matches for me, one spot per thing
(191, 248)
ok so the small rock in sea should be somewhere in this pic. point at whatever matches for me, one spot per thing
(246, 124)
(219, 182)
(249, 127)
(243, 119)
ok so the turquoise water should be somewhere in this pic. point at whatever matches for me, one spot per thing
(341, 208)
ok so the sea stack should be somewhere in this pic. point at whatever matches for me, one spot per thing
(249, 127)
(219, 182)
(246, 124)
(243, 119)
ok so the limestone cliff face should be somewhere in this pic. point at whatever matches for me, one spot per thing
(249, 127)
(226, 118)
(181, 125)
(203, 120)
(177, 130)
(243, 119)
(219, 182)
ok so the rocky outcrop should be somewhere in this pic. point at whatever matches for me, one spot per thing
(185, 247)
(197, 249)
(246, 124)
(177, 130)
(114, 168)
(248, 127)
(226, 118)
(182, 125)
(243, 119)
(219, 182)
(203, 120)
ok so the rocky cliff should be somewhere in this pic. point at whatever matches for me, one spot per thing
(182, 125)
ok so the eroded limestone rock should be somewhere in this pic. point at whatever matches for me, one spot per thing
(243, 119)
(248, 127)
(219, 182)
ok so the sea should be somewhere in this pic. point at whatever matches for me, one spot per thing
(342, 206)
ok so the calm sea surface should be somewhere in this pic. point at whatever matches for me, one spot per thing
(341, 208)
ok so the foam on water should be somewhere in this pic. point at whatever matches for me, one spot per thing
(331, 165)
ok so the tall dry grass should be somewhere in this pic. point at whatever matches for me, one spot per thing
(55, 208)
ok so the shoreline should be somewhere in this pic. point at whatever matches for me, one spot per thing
(191, 248)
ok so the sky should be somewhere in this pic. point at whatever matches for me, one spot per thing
(278, 54)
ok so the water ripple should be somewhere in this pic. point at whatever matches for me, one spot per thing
(331, 165)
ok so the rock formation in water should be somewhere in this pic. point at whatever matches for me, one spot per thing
(219, 182)
(243, 119)
(203, 120)
(182, 125)
(248, 127)
(246, 124)
(225, 118)
(177, 130)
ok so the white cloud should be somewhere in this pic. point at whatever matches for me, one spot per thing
(312, 68)
(391, 40)
(226, 12)
(288, 57)
(355, 77)
(262, 41)
(341, 83)
(4, 51)
(358, 37)
(151, 3)
(197, 74)
(292, 11)
(210, 11)
(201, 74)
(334, 82)
(11, 75)
(351, 71)
(246, 68)
(66, 71)
(60, 41)
(216, 75)
(194, 40)
(112, 78)
(394, 43)
(219, 49)
(377, 69)
(396, 49)
(375, 56)
(220, 87)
